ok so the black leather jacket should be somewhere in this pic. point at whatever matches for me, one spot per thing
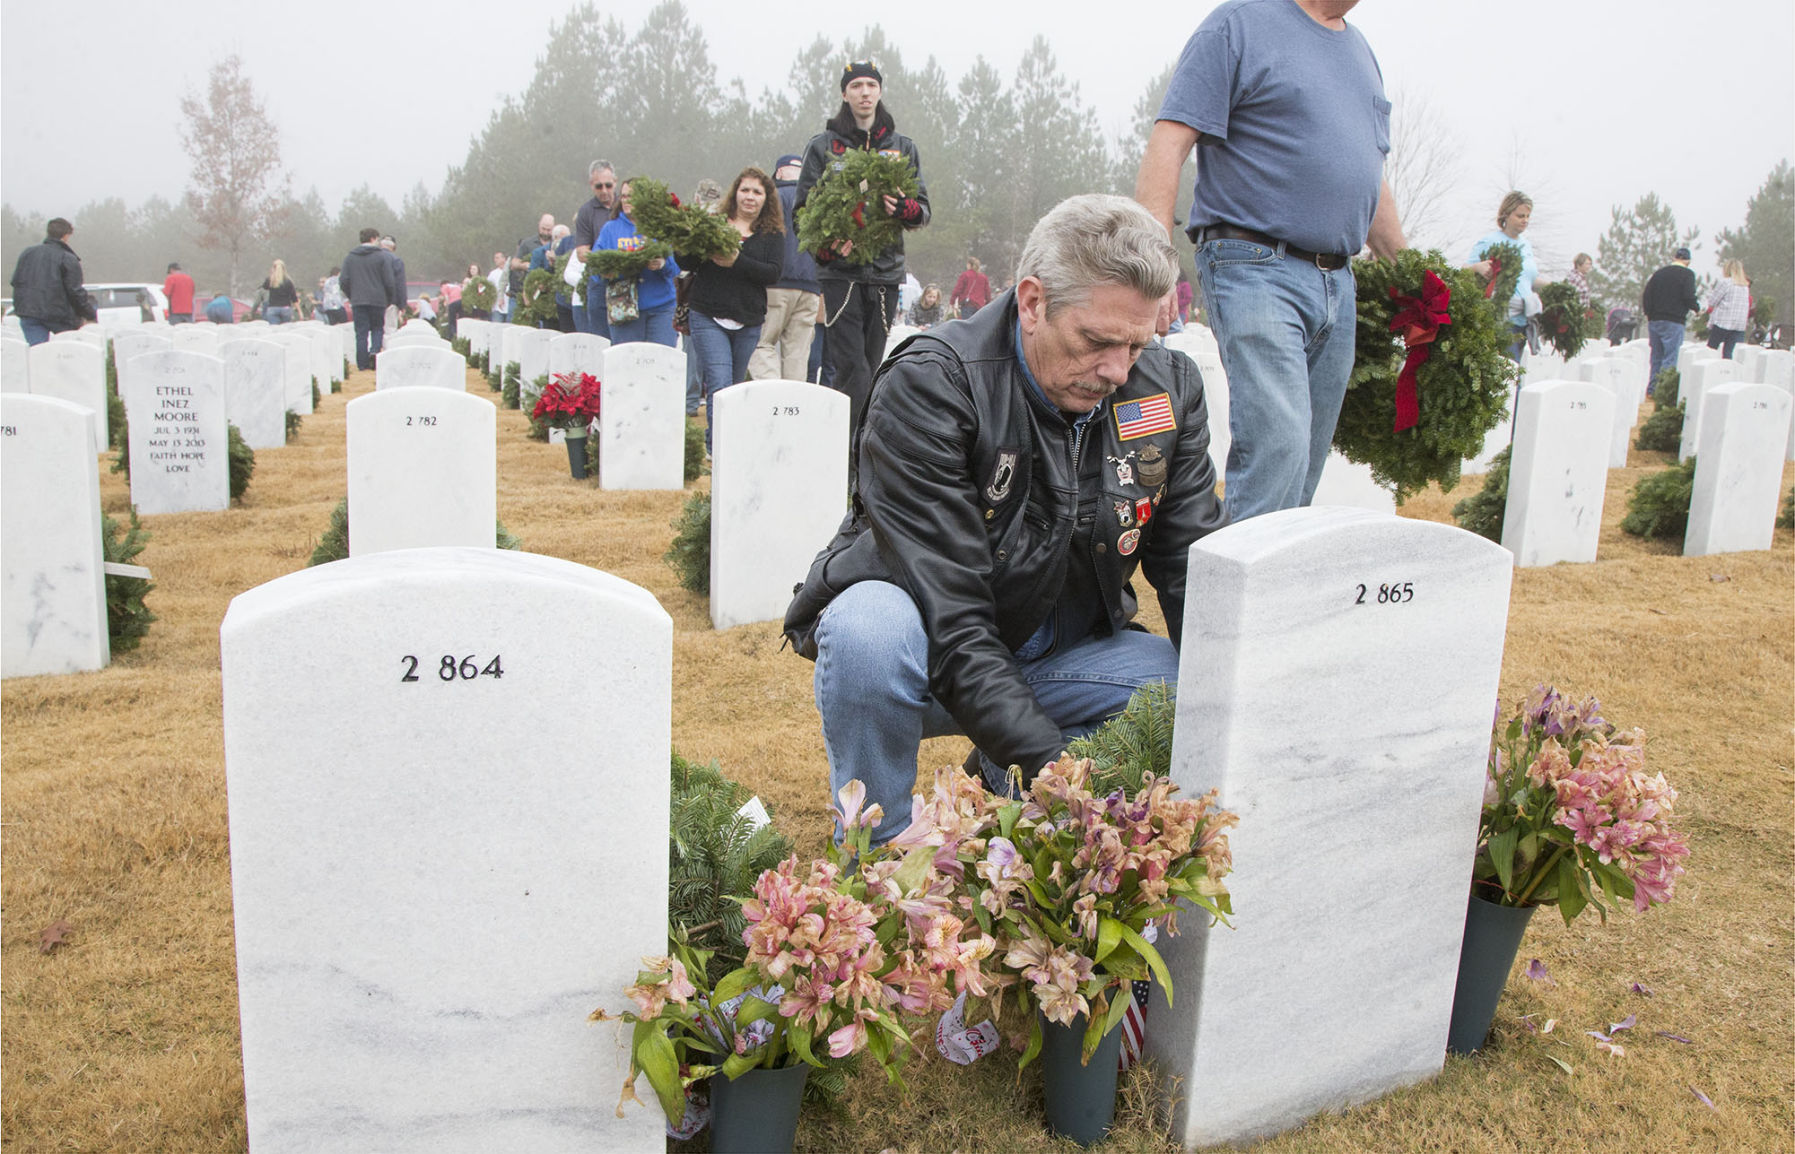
(972, 495)
(839, 135)
(46, 286)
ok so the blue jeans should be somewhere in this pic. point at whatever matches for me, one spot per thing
(278, 314)
(1667, 341)
(36, 333)
(1724, 340)
(872, 690)
(722, 358)
(655, 324)
(597, 321)
(1285, 330)
(370, 334)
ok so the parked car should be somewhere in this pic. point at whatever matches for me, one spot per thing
(122, 305)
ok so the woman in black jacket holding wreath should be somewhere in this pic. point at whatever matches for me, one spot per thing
(728, 297)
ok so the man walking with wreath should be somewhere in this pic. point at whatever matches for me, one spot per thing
(860, 296)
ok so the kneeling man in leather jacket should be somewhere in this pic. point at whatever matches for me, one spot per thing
(1015, 469)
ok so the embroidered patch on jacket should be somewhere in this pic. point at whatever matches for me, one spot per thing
(891, 154)
(1144, 417)
(1002, 477)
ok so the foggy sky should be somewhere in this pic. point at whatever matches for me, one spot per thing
(1588, 103)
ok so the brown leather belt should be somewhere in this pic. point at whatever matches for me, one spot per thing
(1326, 261)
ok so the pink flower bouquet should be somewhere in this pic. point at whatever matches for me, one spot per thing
(1570, 816)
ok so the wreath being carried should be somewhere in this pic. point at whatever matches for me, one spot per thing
(1505, 275)
(1561, 319)
(1429, 376)
(689, 231)
(848, 203)
(537, 299)
(612, 263)
(478, 293)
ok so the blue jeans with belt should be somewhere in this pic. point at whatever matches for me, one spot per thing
(1285, 330)
(872, 690)
(722, 358)
(1667, 341)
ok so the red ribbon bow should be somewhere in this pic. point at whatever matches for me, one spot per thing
(1418, 319)
(1495, 271)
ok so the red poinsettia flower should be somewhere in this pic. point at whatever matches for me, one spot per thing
(569, 400)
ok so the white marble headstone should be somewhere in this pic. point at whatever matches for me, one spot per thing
(1690, 353)
(1777, 367)
(134, 343)
(15, 366)
(1498, 438)
(327, 362)
(529, 348)
(641, 441)
(179, 451)
(89, 334)
(1703, 375)
(1610, 373)
(420, 366)
(433, 881)
(52, 585)
(297, 356)
(1350, 484)
(1738, 471)
(895, 336)
(779, 486)
(1337, 680)
(255, 390)
(1558, 473)
(345, 334)
(1200, 347)
(198, 338)
(422, 470)
(74, 371)
(577, 353)
(478, 334)
(1751, 359)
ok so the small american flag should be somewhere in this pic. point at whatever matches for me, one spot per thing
(1145, 416)
(1134, 1025)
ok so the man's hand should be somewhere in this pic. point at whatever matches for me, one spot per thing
(906, 210)
(657, 264)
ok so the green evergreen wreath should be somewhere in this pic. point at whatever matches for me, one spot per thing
(539, 296)
(334, 545)
(479, 294)
(127, 618)
(612, 263)
(693, 234)
(242, 461)
(1561, 318)
(1484, 511)
(1462, 388)
(1507, 258)
(1659, 506)
(847, 203)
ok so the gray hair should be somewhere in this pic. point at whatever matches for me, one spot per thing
(597, 167)
(1091, 240)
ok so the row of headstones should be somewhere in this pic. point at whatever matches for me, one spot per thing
(449, 792)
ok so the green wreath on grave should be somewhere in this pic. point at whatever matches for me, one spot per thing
(847, 203)
(692, 233)
(334, 544)
(612, 263)
(127, 618)
(479, 294)
(1429, 375)
(1561, 318)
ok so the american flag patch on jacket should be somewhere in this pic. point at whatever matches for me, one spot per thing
(1144, 417)
(1134, 1025)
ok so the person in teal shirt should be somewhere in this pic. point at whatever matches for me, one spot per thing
(1512, 218)
(220, 311)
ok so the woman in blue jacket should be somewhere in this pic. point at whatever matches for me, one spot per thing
(649, 295)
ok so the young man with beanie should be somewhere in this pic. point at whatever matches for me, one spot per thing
(1668, 299)
(785, 338)
(860, 300)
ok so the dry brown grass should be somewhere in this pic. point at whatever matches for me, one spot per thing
(114, 813)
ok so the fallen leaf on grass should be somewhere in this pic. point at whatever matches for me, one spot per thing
(1598, 1035)
(1631, 1021)
(1562, 1065)
(1639, 989)
(1536, 970)
(55, 934)
(1705, 1100)
(1612, 1049)
(1673, 1037)
(1717, 578)
(1660, 613)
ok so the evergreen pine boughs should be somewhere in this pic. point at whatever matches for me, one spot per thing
(694, 451)
(848, 203)
(294, 420)
(1133, 743)
(510, 397)
(714, 855)
(334, 545)
(479, 294)
(1462, 388)
(1561, 318)
(1659, 506)
(317, 397)
(1483, 511)
(1786, 518)
(127, 618)
(612, 263)
(460, 345)
(1505, 259)
(242, 461)
(690, 554)
(122, 442)
(693, 234)
(539, 297)
(1662, 432)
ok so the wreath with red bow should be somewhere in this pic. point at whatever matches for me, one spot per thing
(1429, 376)
(848, 203)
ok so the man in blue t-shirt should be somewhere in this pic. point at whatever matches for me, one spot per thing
(1284, 103)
